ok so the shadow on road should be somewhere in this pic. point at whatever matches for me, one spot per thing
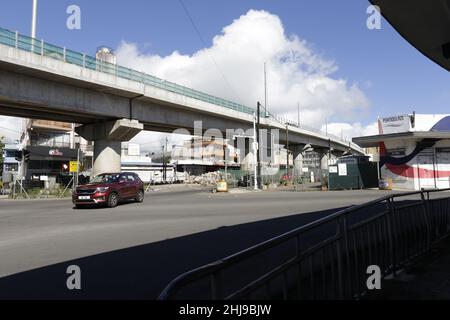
(142, 272)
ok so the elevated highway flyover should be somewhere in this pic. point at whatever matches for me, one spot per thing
(113, 103)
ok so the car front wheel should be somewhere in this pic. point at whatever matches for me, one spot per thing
(140, 196)
(113, 200)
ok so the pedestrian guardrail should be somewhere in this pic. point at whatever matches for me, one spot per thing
(42, 48)
(328, 258)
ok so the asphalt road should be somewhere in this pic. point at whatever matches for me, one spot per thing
(133, 251)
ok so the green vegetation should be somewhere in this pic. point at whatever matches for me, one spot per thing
(284, 181)
(38, 193)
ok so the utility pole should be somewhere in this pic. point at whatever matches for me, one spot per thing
(287, 149)
(265, 90)
(164, 165)
(255, 151)
(165, 160)
(225, 160)
(329, 152)
(258, 155)
(226, 170)
(328, 164)
(78, 169)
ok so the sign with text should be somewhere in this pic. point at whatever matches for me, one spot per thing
(343, 169)
(73, 166)
(396, 124)
(55, 153)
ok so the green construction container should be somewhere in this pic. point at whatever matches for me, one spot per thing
(353, 173)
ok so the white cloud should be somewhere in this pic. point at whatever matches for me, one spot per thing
(154, 141)
(10, 128)
(348, 131)
(296, 73)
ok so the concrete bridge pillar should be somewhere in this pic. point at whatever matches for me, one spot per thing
(297, 153)
(248, 164)
(108, 138)
(107, 156)
(266, 146)
(324, 161)
(245, 146)
(298, 162)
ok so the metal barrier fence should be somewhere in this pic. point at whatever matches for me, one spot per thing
(42, 48)
(326, 259)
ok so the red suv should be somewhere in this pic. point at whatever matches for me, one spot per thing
(109, 189)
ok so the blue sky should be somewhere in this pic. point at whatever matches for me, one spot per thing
(394, 76)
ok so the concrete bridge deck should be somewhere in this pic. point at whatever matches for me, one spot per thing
(43, 81)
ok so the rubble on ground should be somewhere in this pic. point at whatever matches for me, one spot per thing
(205, 179)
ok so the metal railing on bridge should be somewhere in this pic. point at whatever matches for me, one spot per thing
(329, 258)
(40, 47)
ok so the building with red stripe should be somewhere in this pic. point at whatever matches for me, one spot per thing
(414, 150)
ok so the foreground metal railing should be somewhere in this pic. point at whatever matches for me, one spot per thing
(328, 258)
(42, 48)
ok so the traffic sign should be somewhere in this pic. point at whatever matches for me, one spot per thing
(73, 166)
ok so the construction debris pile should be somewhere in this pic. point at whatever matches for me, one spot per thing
(205, 179)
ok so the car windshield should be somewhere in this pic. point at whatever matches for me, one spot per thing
(106, 178)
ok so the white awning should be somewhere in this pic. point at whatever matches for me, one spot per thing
(374, 141)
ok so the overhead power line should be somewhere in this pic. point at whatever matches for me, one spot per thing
(194, 25)
(12, 130)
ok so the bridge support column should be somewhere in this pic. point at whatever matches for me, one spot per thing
(108, 138)
(298, 162)
(324, 162)
(107, 156)
(266, 154)
(247, 156)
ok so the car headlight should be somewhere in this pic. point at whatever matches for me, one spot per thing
(102, 189)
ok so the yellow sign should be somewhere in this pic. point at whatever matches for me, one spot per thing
(73, 166)
(222, 186)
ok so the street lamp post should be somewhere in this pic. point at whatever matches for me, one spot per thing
(258, 139)
(287, 150)
(226, 158)
(255, 150)
(34, 19)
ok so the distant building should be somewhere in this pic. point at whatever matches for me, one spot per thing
(373, 153)
(414, 150)
(201, 156)
(142, 165)
(311, 160)
(51, 146)
(12, 166)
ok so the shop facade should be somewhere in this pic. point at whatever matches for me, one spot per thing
(414, 151)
